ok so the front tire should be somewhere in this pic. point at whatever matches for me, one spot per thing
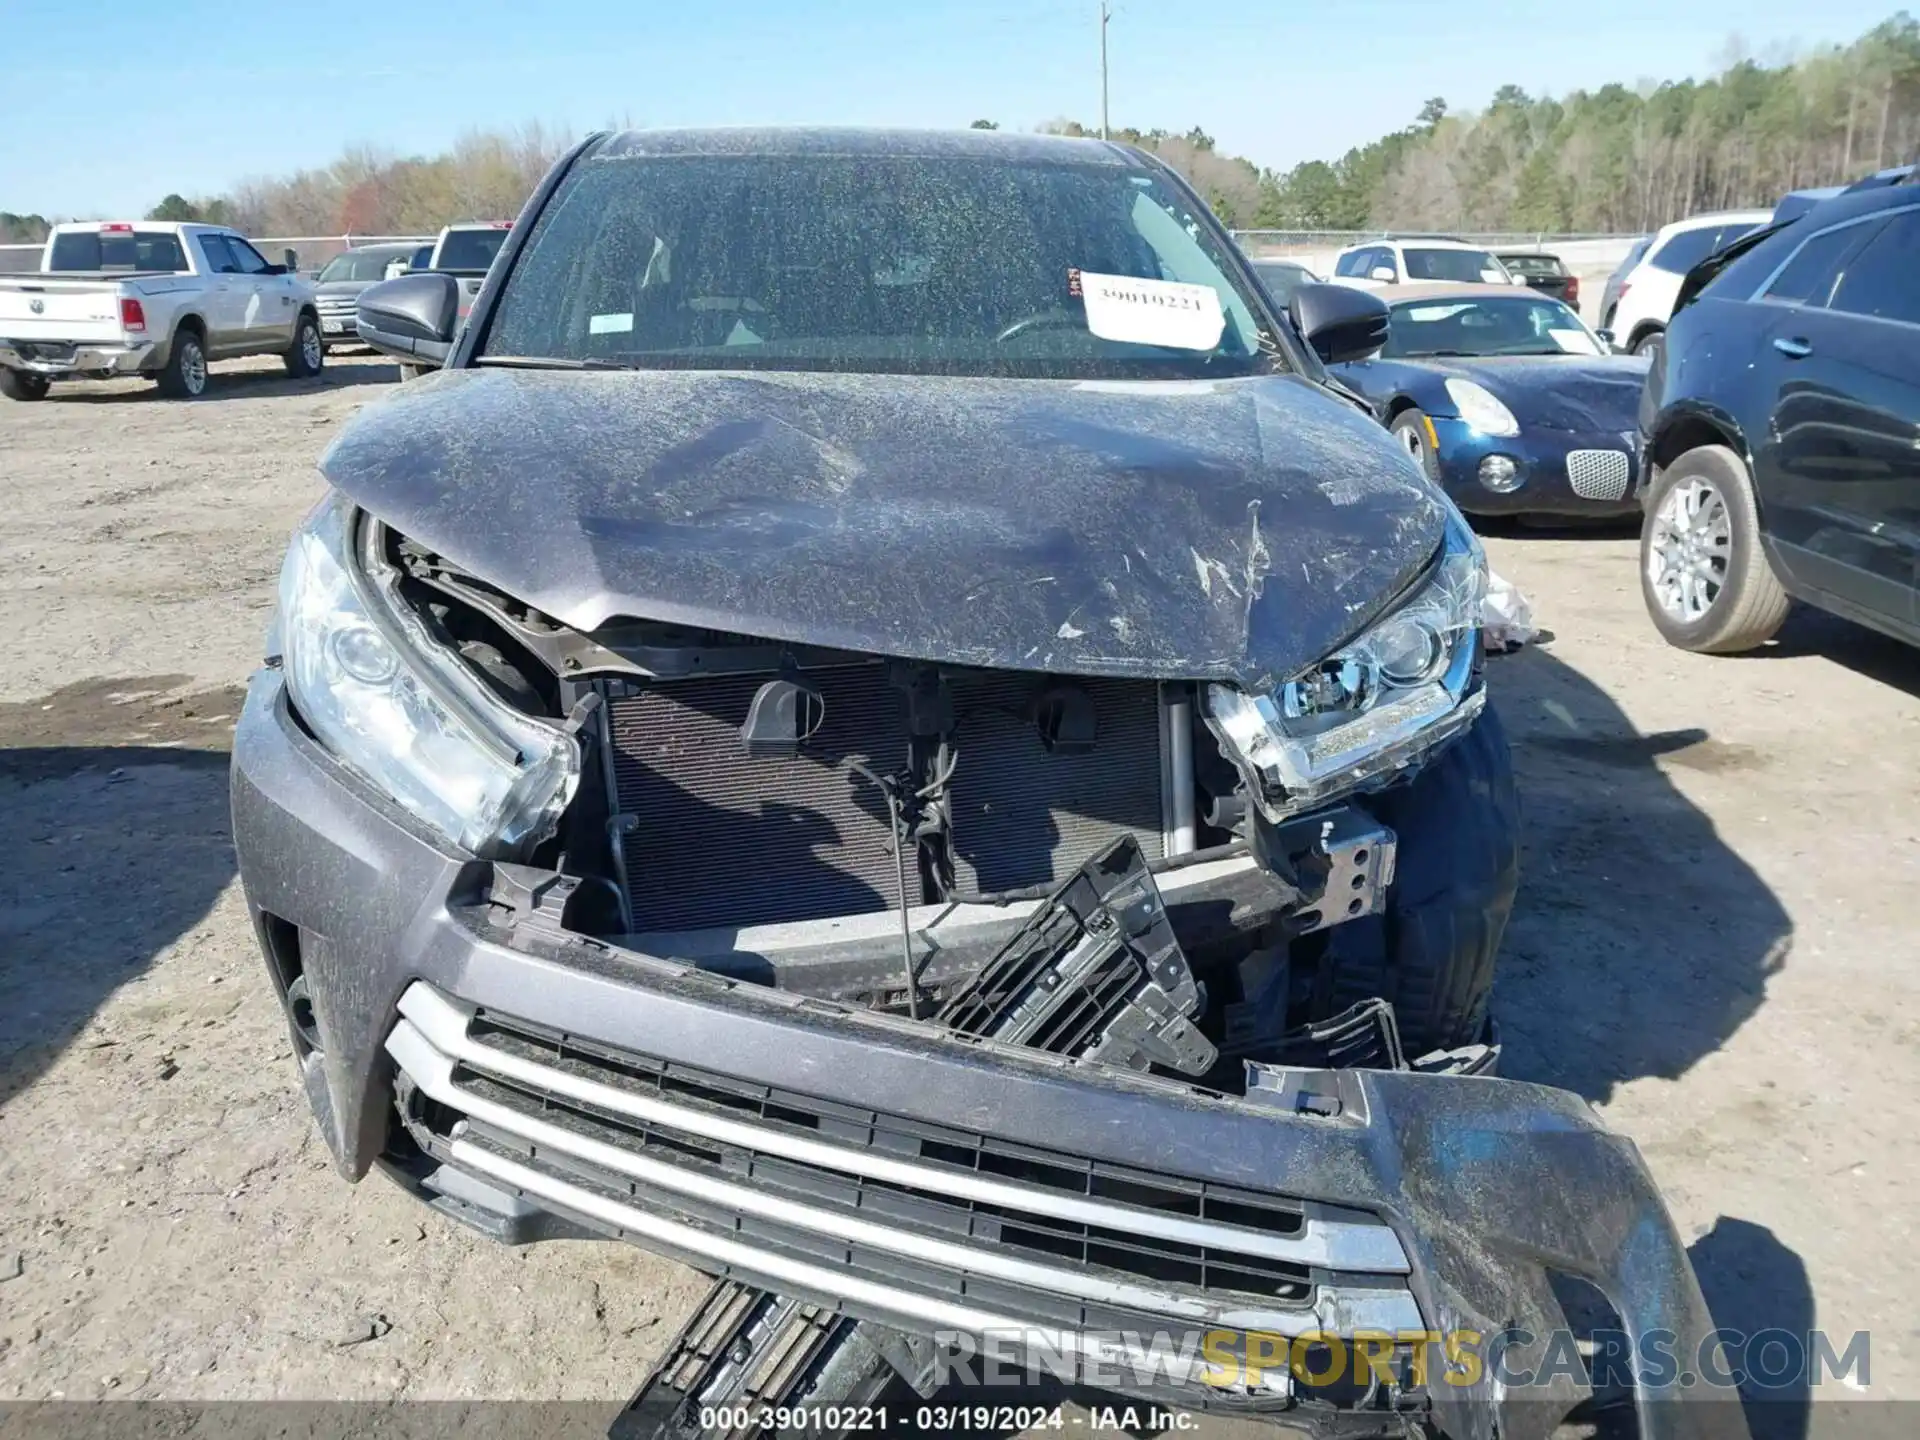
(308, 353)
(1457, 865)
(22, 385)
(185, 374)
(1703, 574)
(1415, 433)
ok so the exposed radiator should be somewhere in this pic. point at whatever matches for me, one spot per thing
(726, 839)
(723, 839)
(1024, 815)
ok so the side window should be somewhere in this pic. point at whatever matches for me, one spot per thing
(1883, 280)
(250, 260)
(163, 253)
(1349, 263)
(1684, 251)
(219, 258)
(1809, 276)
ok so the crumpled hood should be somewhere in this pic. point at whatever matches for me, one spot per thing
(1235, 530)
(1560, 392)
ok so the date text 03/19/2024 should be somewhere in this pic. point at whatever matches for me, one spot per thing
(985, 1419)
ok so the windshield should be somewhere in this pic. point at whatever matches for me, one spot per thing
(1282, 278)
(1475, 267)
(360, 265)
(890, 263)
(1497, 325)
(130, 250)
(470, 249)
(1533, 266)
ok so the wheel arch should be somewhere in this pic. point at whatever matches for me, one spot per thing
(1644, 330)
(1687, 427)
(185, 320)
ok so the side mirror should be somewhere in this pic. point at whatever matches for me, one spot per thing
(411, 318)
(290, 258)
(1383, 273)
(1518, 279)
(1606, 338)
(1339, 322)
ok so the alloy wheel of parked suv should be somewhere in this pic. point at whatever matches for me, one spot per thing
(1707, 582)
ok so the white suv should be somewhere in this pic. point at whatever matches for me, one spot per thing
(1648, 290)
(1417, 260)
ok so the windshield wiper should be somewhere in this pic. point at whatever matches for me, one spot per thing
(551, 362)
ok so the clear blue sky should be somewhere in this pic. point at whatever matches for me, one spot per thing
(109, 105)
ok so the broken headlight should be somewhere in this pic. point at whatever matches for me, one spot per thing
(1374, 706)
(404, 710)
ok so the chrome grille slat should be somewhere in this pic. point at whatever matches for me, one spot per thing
(928, 1311)
(1329, 1243)
(433, 1073)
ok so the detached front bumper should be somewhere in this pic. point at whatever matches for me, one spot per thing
(532, 1081)
(1559, 472)
(60, 359)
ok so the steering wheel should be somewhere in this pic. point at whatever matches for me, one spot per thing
(1039, 320)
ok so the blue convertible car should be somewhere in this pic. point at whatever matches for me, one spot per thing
(1507, 399)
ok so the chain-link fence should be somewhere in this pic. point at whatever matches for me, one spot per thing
(311, 251)
(1265, 241)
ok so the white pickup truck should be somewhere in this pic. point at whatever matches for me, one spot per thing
(146, 298)
(466, 252)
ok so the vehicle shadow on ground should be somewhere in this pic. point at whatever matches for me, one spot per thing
(1556, 527)
(118, 851)
(1811, 632)
(1640, 940)
(1755, 1284)
(340, 373)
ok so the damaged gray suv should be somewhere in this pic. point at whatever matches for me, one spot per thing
(882, 729)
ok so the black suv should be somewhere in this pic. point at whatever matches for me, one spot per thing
(1782, 431)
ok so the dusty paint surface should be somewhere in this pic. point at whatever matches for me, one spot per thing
(1236, 530)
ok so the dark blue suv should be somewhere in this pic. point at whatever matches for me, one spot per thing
(1781, 431)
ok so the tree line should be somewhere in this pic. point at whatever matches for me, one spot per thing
(1617, 159)
(1613, 160)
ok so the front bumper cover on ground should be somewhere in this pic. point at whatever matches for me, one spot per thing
(852, 1158)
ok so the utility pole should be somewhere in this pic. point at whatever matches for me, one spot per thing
(1105, 15)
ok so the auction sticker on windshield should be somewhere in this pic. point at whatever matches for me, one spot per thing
(1150, 312)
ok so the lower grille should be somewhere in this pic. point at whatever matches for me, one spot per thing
(1599, 474)
(904, 1220)
(724, 839)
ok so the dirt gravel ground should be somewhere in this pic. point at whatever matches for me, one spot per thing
(1715, 943)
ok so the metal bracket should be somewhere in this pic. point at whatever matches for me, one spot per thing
(1351, 853)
